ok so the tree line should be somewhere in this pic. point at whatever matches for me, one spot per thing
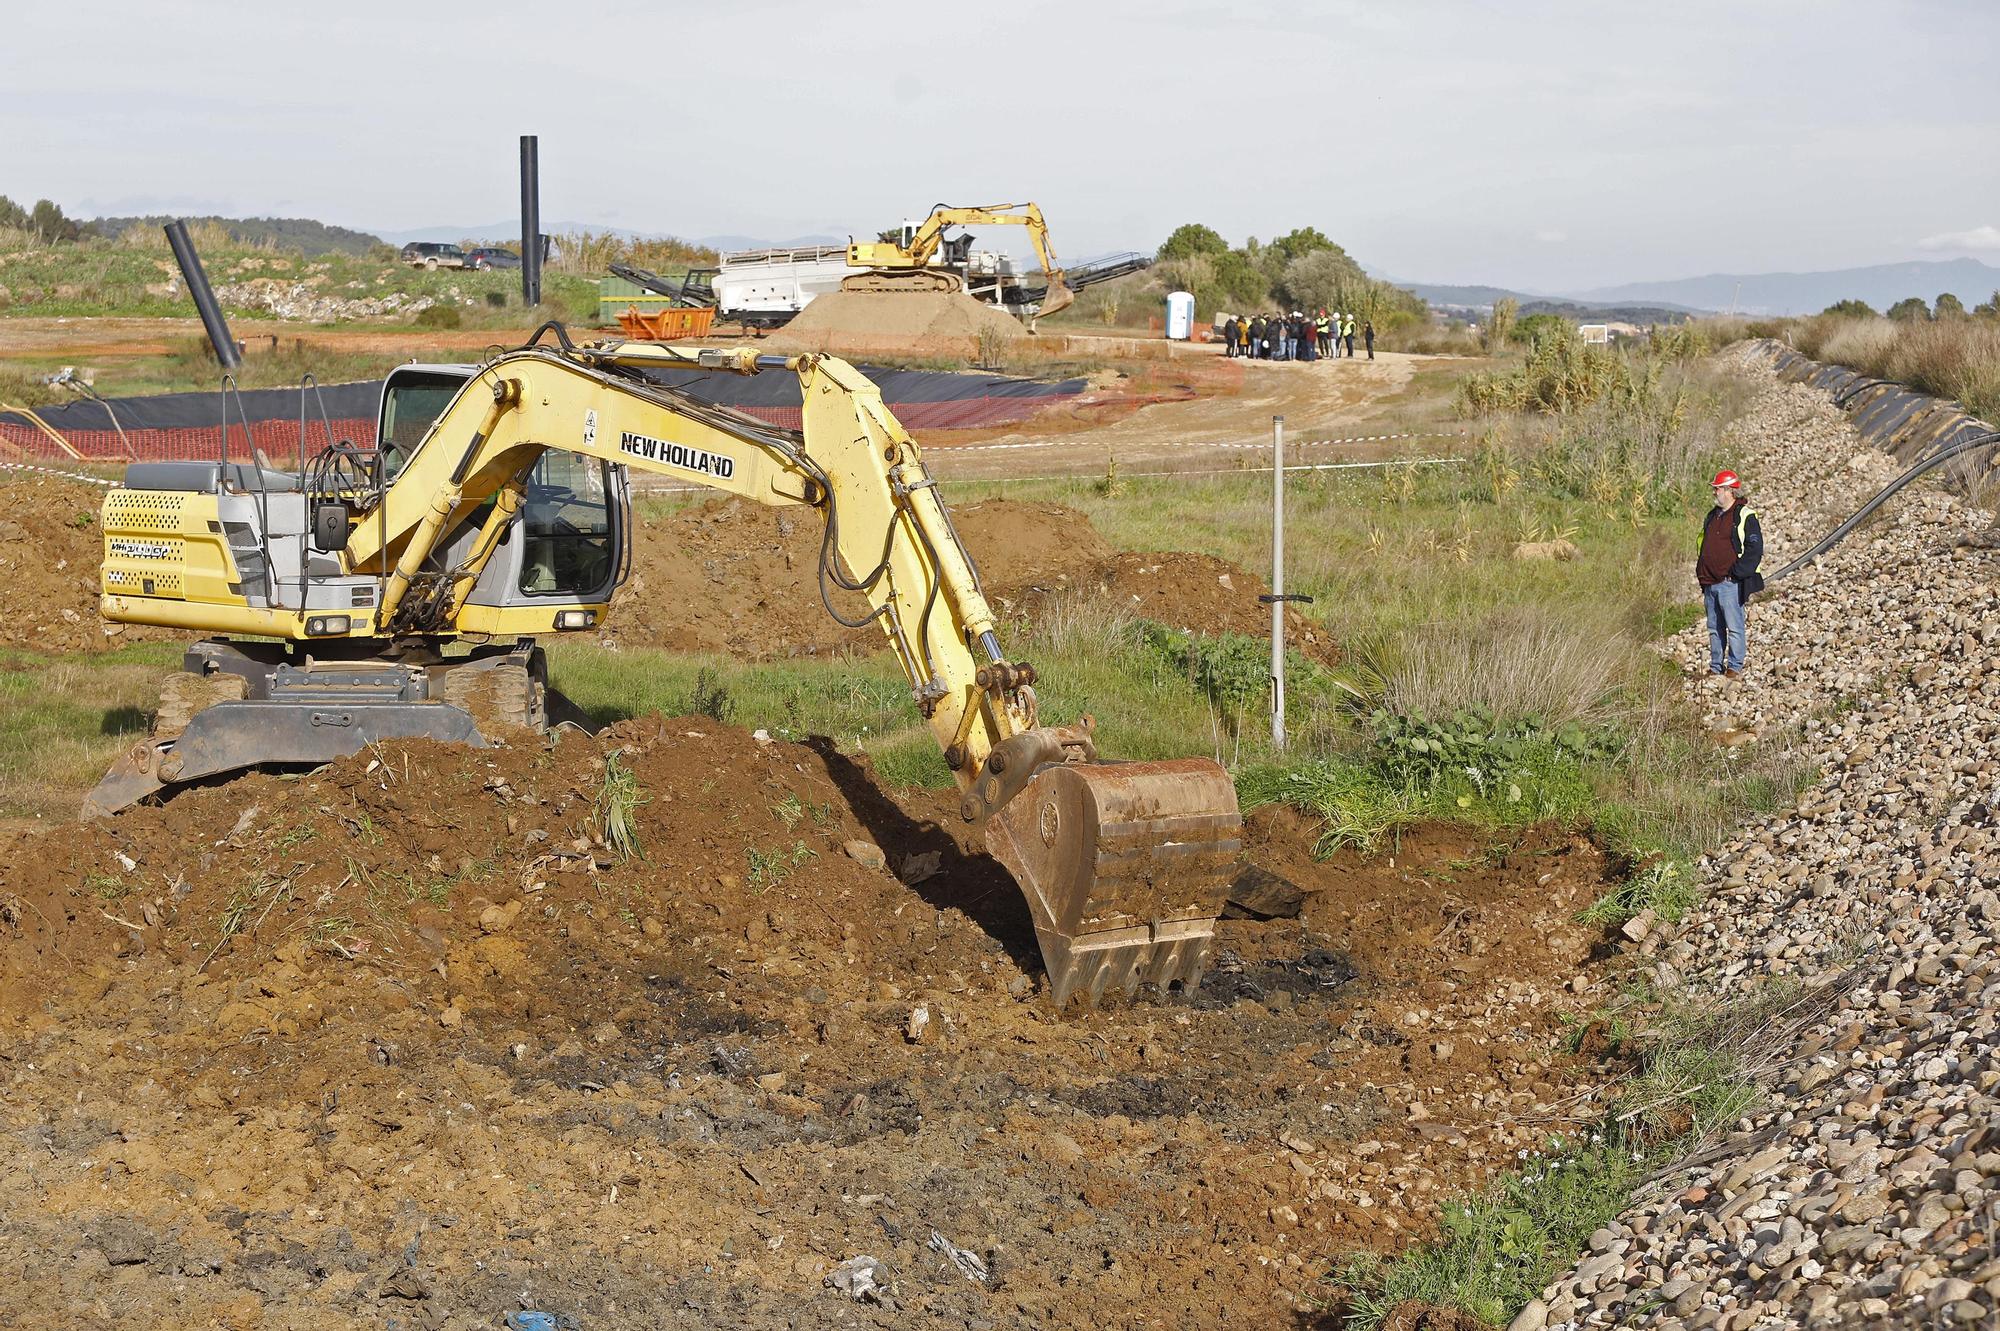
(1301, 270)
(45, 221)
(1913, 309)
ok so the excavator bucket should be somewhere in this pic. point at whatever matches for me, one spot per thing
(1056, 299)
(1125, 867)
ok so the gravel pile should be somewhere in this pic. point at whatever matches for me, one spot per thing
(1865, 1188)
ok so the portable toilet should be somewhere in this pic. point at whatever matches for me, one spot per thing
(1180, 316)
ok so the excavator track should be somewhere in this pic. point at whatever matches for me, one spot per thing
(1125, 867)
(914, 281)
(185, 695)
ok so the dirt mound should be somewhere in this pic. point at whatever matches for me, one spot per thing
(739, 578)
(50, 548)
(405, 1036)
(913, 315)
(734, 577)
(1183, 590)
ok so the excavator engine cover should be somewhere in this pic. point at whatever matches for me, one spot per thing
(1125, 867)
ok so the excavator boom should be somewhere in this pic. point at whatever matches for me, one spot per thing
(1124, 865)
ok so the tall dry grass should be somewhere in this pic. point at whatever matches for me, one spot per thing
(1950, 358)
(591, 254)
(1516, 663)
(209, 237)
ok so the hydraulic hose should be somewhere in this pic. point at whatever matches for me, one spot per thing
(1845, 529)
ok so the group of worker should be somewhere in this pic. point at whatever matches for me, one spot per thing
(1294, 336)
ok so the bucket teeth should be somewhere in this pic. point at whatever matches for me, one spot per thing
(1128, 967)
(1100, 977)
(1125, 867)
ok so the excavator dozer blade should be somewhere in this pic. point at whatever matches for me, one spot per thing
(1125, 867)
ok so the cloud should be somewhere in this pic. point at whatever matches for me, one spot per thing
(1551, 236)
(1978, 238)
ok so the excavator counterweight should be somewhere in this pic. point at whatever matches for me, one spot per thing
(493, 512)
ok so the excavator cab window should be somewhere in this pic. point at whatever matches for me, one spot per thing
(411, 403)
(568, 548)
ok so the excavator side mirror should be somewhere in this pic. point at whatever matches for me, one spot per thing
(330, 527)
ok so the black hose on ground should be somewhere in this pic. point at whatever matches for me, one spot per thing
(1845, 529)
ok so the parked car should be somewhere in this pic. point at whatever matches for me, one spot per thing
(429, 254)
(487, 256)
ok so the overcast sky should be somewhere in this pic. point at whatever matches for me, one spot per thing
(1549, 145)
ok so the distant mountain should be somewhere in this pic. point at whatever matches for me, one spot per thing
(308, 237)
(1607, 313)
(1448, 297)
(510, 230)
(1881, 285)
(1462, 297)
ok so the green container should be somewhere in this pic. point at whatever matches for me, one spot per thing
(616, 295)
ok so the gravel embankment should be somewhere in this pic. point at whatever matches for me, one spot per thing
(1865, 1188)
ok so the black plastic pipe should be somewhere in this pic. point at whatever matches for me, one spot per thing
(1841, 533)
(531, 223)
(219, 336)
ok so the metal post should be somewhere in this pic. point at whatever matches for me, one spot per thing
(1278, 582)
(531, 223)
(204, 299)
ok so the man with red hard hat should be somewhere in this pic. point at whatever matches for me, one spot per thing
(1732, 545)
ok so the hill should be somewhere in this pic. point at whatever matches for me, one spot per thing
(1881, 285)
(1447, 296)
(302, 234)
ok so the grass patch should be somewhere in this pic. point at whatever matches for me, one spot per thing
(64, 719)
(1667, 888)
(1697, 1073)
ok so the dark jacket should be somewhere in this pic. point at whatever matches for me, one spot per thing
(1746, 534)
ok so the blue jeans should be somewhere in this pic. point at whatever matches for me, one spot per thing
(1724, 604)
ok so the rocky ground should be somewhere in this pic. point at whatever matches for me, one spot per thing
(1864, 1190)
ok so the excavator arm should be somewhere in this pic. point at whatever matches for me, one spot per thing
(888, 539)
(1124, 866)
(888, 256)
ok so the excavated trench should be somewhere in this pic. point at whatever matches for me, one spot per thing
(404, 1038)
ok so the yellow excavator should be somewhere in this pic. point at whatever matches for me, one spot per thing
(901, 261)
(493, 510)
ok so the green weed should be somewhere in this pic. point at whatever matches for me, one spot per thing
(768, 868)
(618, 801)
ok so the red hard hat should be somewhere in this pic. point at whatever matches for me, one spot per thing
(1728, 478)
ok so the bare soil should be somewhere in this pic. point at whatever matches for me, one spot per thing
(50, 549)
(735, 577)
(404, 1041)
(725, 576)
(920, 319)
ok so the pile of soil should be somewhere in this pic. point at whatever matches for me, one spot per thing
(739, 578)
(735, 577)
(50, 549)
(1181, 589)
(915, 316)
(406, 1039)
